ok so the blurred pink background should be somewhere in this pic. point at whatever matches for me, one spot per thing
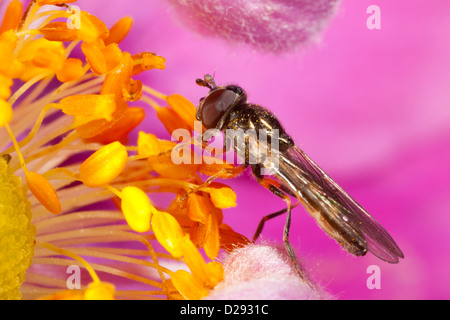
(371, 107)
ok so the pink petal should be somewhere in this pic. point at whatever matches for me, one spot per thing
(271, 25)
(262, 272)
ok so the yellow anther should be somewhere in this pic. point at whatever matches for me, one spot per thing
(49, 58)
(5, 87)
(58, 31)
(137, 208)
(133, 90)
(212, 244)
(147, 144)
(117, 130)
(9, 65)
(104, 165)
(6, 113)
(170, 119)
(40, 54)
(194, 260)
(147, 60)
(168, 232)
(90, 105)
(215, 272)
(223, 197)
(198, 208)
(72, 69)
(43, 191)
(99, 291)
(150, 145)
(184, 108)
(188, 286)
(90, 29)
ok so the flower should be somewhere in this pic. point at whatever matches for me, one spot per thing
(87, 196)
(356, 104)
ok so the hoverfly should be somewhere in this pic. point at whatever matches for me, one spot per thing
(296, 175)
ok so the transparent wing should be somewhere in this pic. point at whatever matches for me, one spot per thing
(335, 211)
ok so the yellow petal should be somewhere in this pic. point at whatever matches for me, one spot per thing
(137, 208)
(104, 165)
(43, 191)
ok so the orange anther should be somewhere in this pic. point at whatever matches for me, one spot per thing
(119, 30)
(13, 14)
(72, 69)
(43, 191)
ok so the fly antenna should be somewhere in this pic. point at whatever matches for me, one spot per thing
(203, 83)
(210, 79)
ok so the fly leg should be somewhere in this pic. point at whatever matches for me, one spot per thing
(264, 220)
(278, 190)
(273, 187)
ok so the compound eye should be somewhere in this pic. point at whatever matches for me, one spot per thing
(215, 106)
(240, 92)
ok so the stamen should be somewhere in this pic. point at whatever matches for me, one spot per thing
(43, 191)
(17, 148)
(154, 92)
(64, 252)
(12, 17)
(26, 86)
